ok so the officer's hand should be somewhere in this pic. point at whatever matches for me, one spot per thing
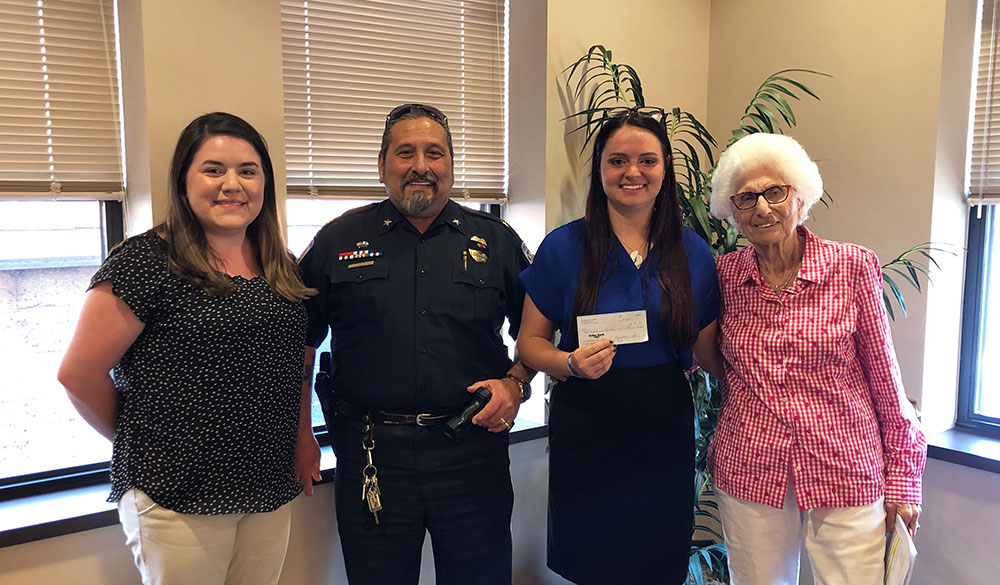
(594, 360)
(498, 414)
(307, 460)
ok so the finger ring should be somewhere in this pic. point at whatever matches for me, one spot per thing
(504, 422)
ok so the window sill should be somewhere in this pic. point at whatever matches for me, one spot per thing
(965, 448)
(43, 516)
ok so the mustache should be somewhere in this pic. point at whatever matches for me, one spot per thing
(413, 176)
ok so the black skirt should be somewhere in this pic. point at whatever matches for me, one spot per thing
(621, 477)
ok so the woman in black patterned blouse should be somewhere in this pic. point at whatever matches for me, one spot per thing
(202, 320)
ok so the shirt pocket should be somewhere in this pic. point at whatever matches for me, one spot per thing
(357, 295)
(477, 293)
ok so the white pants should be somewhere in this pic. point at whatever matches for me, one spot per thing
(171, 548)
(845, 545)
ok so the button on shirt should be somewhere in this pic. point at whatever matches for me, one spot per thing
(415, 318)
(814, 388)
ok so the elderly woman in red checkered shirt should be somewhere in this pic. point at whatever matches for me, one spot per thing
(816, 441)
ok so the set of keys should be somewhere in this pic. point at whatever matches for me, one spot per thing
(369, 489)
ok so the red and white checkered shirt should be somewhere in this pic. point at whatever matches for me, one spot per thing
(813, 385)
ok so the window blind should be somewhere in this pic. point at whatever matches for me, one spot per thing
(347, 63)
(984, 155)
(59, 100)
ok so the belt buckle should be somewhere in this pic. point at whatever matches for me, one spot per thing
(422, 419)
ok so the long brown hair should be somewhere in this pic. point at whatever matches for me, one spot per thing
(665, 237)
(189, 254)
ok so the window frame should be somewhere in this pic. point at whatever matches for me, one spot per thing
(978, 246)
(58, 479)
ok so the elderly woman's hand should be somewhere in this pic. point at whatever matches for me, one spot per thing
(592, 361)
(908, 512)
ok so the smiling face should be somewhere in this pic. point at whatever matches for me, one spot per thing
(767, 224)
(225, 185)
(632, 170)
(417, 168)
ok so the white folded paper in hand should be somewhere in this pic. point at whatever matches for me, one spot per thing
(624, 327)
(900, 553)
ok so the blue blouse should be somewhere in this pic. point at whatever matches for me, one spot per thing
(553, 278)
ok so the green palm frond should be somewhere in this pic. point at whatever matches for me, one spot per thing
(603, 85)
(909, 267)
(606, 84)
(713, 556)
(769, 108)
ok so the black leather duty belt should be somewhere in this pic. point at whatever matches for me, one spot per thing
(380, 417)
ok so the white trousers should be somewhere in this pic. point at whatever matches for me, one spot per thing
(845, 545)
(171, 548)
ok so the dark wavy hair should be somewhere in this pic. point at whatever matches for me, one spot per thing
(413, 112)
(665, 239)
(189, 254)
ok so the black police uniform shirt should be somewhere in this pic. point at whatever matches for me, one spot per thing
(415, 318)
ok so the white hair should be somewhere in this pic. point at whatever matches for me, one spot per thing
(775, 152)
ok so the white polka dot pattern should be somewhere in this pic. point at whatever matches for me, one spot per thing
(209, 391)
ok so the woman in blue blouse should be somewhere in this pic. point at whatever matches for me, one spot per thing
(621, 430)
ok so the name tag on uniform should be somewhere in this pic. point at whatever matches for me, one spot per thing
(624, 327)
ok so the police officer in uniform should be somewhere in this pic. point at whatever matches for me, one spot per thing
(415, 290)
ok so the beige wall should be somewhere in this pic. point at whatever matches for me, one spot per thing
(529, 87)
(183, 58)
(949, 218)
(667, 43)
(875, 132)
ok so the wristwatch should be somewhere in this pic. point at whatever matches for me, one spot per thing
(522, 385)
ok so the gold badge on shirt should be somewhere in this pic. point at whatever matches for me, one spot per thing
(478, 250)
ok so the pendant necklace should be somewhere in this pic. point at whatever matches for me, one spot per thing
(636, 258)
(777, 288)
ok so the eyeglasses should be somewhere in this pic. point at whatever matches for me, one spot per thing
(649, 111)
(432, 112)
(773, 195)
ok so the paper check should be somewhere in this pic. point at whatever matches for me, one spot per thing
(624, 327)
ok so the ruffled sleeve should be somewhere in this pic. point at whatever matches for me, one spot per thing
(136, 269)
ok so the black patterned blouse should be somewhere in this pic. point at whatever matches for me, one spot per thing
(209, 390)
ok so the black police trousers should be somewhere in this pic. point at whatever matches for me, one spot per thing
(458, 490)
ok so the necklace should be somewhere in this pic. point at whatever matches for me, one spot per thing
(636, 258)
(788, 279)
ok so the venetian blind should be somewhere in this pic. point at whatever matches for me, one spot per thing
(348, 62)
(984, 158)
(59, 108)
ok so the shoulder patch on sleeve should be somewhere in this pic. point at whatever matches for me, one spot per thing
(527, 253)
